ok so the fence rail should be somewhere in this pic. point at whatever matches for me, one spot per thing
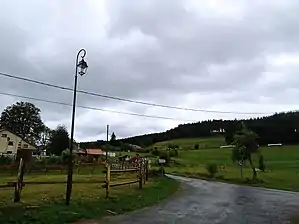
(141, 167)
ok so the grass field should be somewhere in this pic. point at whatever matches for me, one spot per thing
(188, 143)
(282, 166)
(282, 163)
(45, 203)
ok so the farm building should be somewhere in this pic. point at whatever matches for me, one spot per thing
(10, 143)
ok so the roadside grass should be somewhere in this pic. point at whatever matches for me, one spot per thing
(45, 203)
(282, 164)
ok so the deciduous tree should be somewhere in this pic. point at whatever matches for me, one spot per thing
(23, 118)
(59, 140)
(245, 145)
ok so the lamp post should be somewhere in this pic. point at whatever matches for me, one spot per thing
(81, 67)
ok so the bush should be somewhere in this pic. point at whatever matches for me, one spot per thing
(5, 160)
(156, 172)
(172, 146)
(66, 155)
(196, 146)
(164, 155)
(156, 152)
(173, 153)
(54, 160)
(212, 169)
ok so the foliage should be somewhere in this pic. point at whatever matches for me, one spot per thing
(59, 140)
(54, 159)
(173, 153)
(164, 155)
(5, 160)
(156, 152)
(277, 128)
(212, 169)
(156, 172)
(196, 146)
(125, 147)
(65, 155)
(113, 137)
(44, 139)
(23, 119)
(173, 146)
(245, 145)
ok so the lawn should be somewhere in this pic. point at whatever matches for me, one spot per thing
(45, 203)
(282, 166)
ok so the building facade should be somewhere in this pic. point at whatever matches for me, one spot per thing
(10, 143)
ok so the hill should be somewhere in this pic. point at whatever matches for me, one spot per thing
(189, 143)
(277, 128)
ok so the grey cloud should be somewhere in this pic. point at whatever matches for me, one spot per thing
(158, 51)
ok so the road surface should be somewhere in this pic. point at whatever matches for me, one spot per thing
(202, 202)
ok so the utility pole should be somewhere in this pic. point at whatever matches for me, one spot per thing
(107, 143)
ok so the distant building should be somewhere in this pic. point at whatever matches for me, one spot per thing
(10, 143)
(135, 147)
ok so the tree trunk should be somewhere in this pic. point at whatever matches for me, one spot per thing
(241, 166)
(254, 173)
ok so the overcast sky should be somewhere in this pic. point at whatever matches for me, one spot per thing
(233, 55)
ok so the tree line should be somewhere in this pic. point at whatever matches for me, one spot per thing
(277, 128)
(24, 119)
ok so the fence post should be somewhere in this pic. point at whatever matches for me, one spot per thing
(140, 176)
(107, 180)
(143, 172)
(19, 183)
(146, 170)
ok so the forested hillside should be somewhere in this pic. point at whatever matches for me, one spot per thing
(277, 128)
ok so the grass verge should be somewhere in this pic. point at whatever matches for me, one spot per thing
(87, 205)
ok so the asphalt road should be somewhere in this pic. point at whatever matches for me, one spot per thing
(212, 202)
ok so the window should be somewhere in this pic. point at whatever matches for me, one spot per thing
(10, 143)
(25, 146)
(4, 135)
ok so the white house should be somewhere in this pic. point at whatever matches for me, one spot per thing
(10, 143)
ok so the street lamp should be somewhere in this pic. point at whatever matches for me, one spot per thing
(81, 68)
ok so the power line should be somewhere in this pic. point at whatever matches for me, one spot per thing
(96, 108)
(128, 100)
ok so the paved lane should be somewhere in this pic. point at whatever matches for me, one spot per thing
(212, 202)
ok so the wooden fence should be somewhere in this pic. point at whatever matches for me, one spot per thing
(141, 168)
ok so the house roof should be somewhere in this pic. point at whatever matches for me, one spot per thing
(94, 152)
(5, 129)
(79, 151)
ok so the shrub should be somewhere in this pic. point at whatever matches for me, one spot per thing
(66, 155)
(173, 153)
(156, 172)
(212, 169)
(164, 155)
(196, 146)
(54, 160)
(5, 160)
(172, 146)
(156, 152)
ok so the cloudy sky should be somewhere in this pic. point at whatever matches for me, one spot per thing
(228, 55)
